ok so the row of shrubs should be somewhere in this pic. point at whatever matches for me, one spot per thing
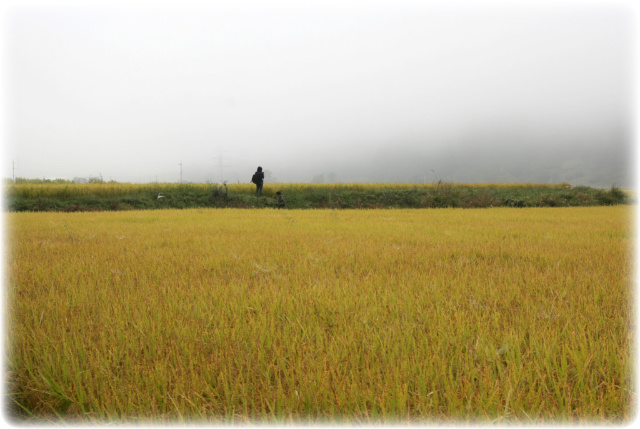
(441, 196)
(456, 196)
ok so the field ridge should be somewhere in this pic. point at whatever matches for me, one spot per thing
(126, 196)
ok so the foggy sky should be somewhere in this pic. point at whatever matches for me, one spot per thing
(352, 91)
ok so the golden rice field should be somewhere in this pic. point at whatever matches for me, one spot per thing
(424, 316)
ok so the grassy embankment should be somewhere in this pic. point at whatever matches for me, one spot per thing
(122, 196)
(502, 315)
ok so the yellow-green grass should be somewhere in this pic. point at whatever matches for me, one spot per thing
(114, 189)
(501, 315)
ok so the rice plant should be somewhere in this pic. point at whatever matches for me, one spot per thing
(248, 316)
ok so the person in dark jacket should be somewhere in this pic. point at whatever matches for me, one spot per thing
(258, 179)
(280, 203)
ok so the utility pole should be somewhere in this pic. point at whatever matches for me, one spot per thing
(221, 165)
(180, 172)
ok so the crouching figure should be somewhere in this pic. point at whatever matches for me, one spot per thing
(280, 203)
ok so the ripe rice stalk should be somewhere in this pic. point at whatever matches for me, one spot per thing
(501, 315)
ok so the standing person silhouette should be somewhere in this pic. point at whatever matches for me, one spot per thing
(258, 179)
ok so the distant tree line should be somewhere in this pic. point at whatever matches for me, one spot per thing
(25, 181)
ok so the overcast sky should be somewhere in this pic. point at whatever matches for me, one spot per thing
(130, 92)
